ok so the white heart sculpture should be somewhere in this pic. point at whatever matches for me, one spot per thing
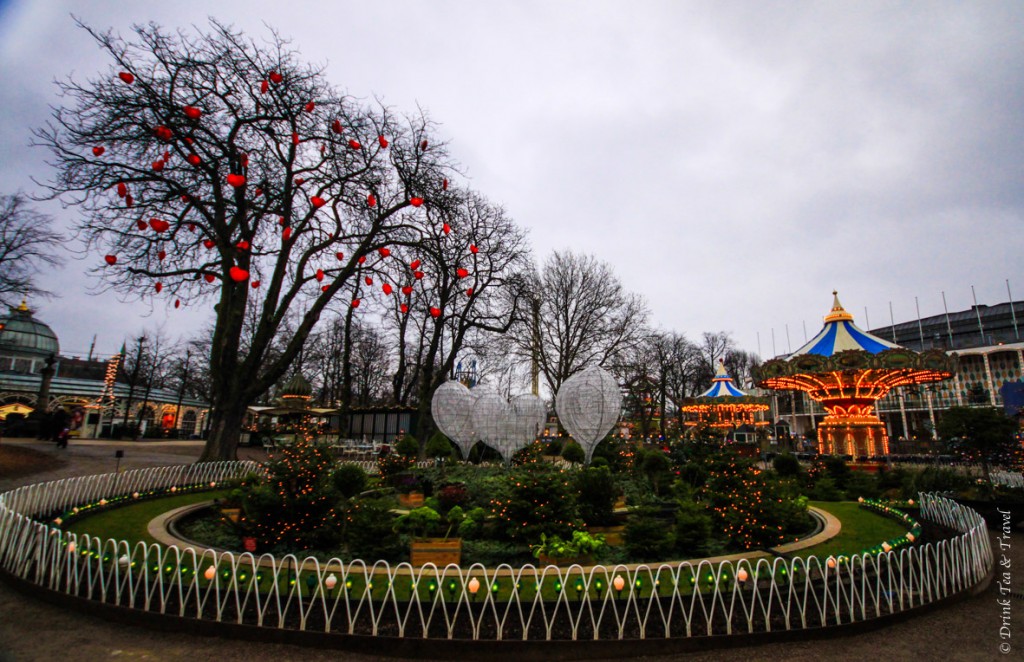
(588, 405)
(492, 418)
(452, 409)
(530, 414)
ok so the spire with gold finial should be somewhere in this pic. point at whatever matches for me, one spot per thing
(838, 313)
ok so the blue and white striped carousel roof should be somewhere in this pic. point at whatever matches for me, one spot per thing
(721, 386)
(840, 334)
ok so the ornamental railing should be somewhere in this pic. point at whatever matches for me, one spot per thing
(525, 603)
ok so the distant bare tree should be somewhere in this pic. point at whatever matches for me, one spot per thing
(714, 346)
(586, 318)
(27, 247)
(740, 366)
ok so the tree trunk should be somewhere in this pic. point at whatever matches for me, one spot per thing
(225, 430)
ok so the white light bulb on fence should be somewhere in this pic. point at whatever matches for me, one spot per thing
(618, 583)
(330, 582)
(742, 575)
(474, 585)
(210, 573)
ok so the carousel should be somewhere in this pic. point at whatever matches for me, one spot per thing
(724, 406)
(848, 370)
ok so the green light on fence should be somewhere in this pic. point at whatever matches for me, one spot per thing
(558, 586)
(494, 587)
(638, 583)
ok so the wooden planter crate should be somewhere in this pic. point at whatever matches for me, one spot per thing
(438, 551)
(612, 534)
(411, 500)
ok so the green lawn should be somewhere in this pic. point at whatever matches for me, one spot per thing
(130, 522)
(862, 529)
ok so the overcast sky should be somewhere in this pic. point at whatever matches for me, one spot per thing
(734, 161)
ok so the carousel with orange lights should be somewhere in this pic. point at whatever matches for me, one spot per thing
(848, 370)
(723, 405)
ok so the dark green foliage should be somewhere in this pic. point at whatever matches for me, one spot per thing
(836, 468)
(694, 474)
(574, 453)
(472, 524)
(369, 531)
(553, 448)
(596, 491)
(861, 484)
(982, 435)
(936, 479)
(614, 452)
(408, 447)
(349, 480)
(786, 465)
(657, 467)
(452, 495)
(530, 454)
(537, 498)
(693, 530)
(438, 446)
(825, 489)
(648, 538)
(483, 453)
(600, 462)
(392, 464)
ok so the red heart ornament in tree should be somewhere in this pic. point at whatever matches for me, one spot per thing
(382, 141)
(415, 202)
(158, 165)
(128, 200)
(336, 126)
(192, 112)
(404, 308)
(407, 290)
(369, 280)
(264, 86)
(469, 292)
(126, 77)
(255, 284)
(414, 265)
(242, 245)
(461, 273)
(295, 138)
(362, 259)
(276, 77)
(177, 303)
(257, 192)
(209, 243)
(299, 181)
(194, 159)
(236, 180)
(286, 234)
(160, 255)
(423, 145)
(387, 288)
(435, 312)
(371, 200)
(320, 275)
(355, 303)
(446, 228)
(418, 275)
(340, 256)
(191, 227)
(309, 107)
(122, 189)
(184, 197)
(209, 277)
(163, 133)
(281, 221)
(325, 288)
(384, 252)
(238, 274)
(473, 249)
(159, 225)
(141, 225)
(244, 160)
(317, 201)
(111, 259)
(98, 150)
(354, 144)
(444, 184)
(158, 287)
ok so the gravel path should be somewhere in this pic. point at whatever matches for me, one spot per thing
(34, 630)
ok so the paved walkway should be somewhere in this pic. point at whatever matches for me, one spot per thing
(33, 630)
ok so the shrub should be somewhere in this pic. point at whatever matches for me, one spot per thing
(536, 500)
(574, 453)
(693, 530)
(553, 448)
(786, 465)
(825, 489)
(473, 523)
(656, 466)
(422, 522)
(392, 464)
(580, 544)
(349, 480)
(861, 484)
(596, 495)
(529, 454)
(438, 446)
(452, 495)
(935, 479)
(408, 447)
(646, 537)
(369, 531)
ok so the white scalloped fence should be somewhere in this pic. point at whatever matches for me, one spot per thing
(472, 603)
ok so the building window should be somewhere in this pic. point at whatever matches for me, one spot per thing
(188, 422)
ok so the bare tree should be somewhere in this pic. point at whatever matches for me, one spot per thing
(26, 248)
(741, 365)
(212, 166)
(585, 318)
(714, 346)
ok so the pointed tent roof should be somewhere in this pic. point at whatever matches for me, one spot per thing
(840, 334)
(721, 385)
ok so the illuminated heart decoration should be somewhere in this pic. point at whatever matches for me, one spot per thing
(317, 201)
(236, 180)
(126, 77)
(141, 225)
(295, 138)
(111, 259)
(418, 275)
(158, 287)
(299, 181)
(161, 255)
(194, 159)
(122, 189)
(473, 249)
(369, 280)
(128, 200)
(469, 292)
(444, 184)
(158, 166)
(325, 288)
(320, 275)
(264, 86)
(354, 144)
(192, 112)
(177, 303)
(414, 265)
(286, 234)
(276, 77)
(163, 133)
(362, 259)
(461, 273)
(407, 290)
(209, 277)
(242, 245)
(387, 288)
(384, 252)
(209, 243)
(309, 107)
(159, 225)
(415, 202)
(238, 274)
(255, 284)
(371, 200)
(383, 142)
(404, 308)
(98, 150)
(336, 126)
(446, 228)
(435, 312)
(340, 256)
(423, 145)
(166, 157)
(355, 303)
